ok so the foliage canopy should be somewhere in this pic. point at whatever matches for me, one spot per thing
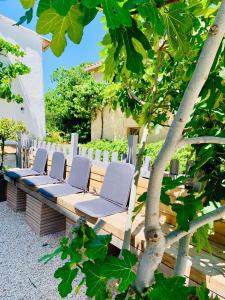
(74, 102)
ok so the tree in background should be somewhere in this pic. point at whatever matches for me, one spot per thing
(9, 71)
(74, 102)
(9, 130)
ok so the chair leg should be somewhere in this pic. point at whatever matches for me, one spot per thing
(16, 198)
(43, 219)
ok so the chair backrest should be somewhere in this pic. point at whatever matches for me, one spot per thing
(40, 161)
(80, 172)
(58, 166)
(117, 183)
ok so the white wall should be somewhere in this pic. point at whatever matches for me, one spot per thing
(29, 86)
(115, 126)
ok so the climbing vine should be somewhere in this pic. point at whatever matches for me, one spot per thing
(10, 70)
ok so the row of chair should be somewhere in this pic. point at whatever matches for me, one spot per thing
(112, 199)
(53, 204)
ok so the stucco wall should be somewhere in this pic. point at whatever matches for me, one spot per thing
(115, 126)
(29, 86)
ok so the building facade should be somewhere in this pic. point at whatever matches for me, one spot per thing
(113, 124)
(29, 86)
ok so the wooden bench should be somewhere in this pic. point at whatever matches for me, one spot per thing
(47, 216)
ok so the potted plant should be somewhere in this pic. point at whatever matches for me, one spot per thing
(9, 130)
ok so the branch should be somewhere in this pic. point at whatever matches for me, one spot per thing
(132, 95)
(202, 140)
(176, 235)
(168, 2)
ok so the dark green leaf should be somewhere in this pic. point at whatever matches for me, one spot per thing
(115, 14)
(67, 273)
(121, 269)
(42, 6)
(170, 288)
(95, 280)
(187, 210)
(63, 6)
(98, 247)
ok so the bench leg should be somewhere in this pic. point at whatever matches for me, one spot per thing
(69, 225)
(16, 198)
(43, 219)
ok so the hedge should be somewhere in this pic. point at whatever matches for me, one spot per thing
(151, 150)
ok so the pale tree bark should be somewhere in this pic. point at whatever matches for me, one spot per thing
(155, 240)
(132, 200)
(176, 235)
(182, 255)
(202, 140)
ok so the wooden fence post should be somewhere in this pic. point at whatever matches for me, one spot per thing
(132, 149)
(74, 145)
(19, 152)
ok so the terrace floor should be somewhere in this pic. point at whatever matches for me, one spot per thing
(22, 277)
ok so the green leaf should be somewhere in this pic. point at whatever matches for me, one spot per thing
(115, 14)
(178, 31)
(204, 294)
(76, 27)
(59, 42)
(47, 21)
(187, 210)
(26, 18)
(42, 6)
(169, 184)
(170, 288)
(63, 6)
(28, 3)
(123, 37)
(46, 258)
(67, 274)
(98, 247)
(88, 14)
(200, 237)
(50, 21)
(91, 3)
(121, 269)
(148, 10)
(109, 64)
(95, 280)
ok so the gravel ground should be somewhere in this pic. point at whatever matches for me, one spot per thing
(22, 277)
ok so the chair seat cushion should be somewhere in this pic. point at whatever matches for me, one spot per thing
(17, 173)
(99, 208)
(59, 190)
(39, 180)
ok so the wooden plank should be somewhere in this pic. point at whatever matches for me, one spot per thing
(16, 198)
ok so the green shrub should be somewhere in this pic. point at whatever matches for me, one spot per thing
(55, 137)
(151, 150)
(119, 146)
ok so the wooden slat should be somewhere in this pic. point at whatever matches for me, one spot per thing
(43, 219)
(16, 198)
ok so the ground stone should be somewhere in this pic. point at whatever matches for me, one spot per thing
(22, 277)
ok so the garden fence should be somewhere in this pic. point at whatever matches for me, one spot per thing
(98, 157)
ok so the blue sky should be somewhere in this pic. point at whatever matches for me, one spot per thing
(87, 51)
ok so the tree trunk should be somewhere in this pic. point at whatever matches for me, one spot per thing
(2, 153)
(102, 123)
(182, 256)
(155, 240)
(132, 200)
